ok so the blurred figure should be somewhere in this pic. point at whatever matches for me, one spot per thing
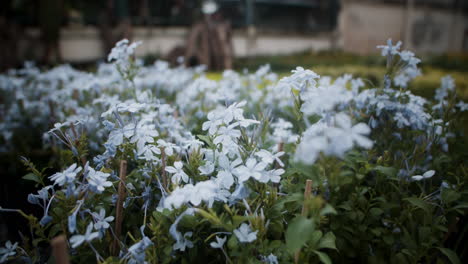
(10, 33)
(7, 44)
(209, 40)
(51, 13)
(114, 23)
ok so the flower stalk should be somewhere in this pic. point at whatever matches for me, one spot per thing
(119, 206)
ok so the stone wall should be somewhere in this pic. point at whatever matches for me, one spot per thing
(84, 44)
(363, 25)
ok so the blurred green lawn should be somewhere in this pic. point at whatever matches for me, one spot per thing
(370, 68)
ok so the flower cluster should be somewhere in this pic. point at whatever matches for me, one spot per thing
(249, 165)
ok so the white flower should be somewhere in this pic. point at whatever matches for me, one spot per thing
(183, 242)
(129, 106)
(401, 80)
(234, 111)
(272, 175)
(203, 191)
(356, 84)
(269, 158)
(309, 149)
(144, 134)
(215, 119)
(448, 83)
(77, 240)
(219, 242)
(225, 178)
(206, 191)
(282, 132)
(67, 176)
(462, 106)
(401, 120)
(428, 174)
(270, 259)
(300, 78)
(207, 169)
(227, 135)
(324, 99)
(102, 222)
(389, 49)
(178, 172)
(7, 251)
(137, 250)
(122, 51)
(98, 180)
(169, 147)
(148, 153)
(345, 134)
(178, 197)
(244, 234)
(250, 169)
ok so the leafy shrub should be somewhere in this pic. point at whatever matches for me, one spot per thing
(164, 165)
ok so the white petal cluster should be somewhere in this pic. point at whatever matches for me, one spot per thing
(245, 234)
(332, 139)
(67, 176)
(205, 191)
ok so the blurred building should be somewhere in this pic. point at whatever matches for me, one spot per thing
(424, 26)
(261, 27)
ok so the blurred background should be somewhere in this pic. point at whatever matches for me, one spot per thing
(83, 31)
(332, 37)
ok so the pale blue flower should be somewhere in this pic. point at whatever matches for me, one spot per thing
(178, 173)
(219, 242)
(137, 250)
(301, 78)
(270, 259)
(428, 174)
(102, 222)
(89, 236)
(269, 157)
(462, 106)
(390, 49)
(183, 242)
(8, 251)
(251, 169)
(244, 234)
(98, 180)
(67, 176)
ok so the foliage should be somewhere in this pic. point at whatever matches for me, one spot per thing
(164, 165)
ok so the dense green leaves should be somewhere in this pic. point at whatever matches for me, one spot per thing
(299, 231)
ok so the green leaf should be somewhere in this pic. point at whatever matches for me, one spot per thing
(207, 140)
(328, 209)
(55, 230)
(232, 242)
(419, 203)
(328, 241)
(345, 206)
(449, 196)
(299, 231)
(461, 206)
(376, 211)
(387, 171)
(32, 177)
(451, 255)
(324, 258)
(316, 236)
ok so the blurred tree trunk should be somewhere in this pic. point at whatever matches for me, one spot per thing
(105, 26)
(9, 37)
(209, 43)
(51, 14)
